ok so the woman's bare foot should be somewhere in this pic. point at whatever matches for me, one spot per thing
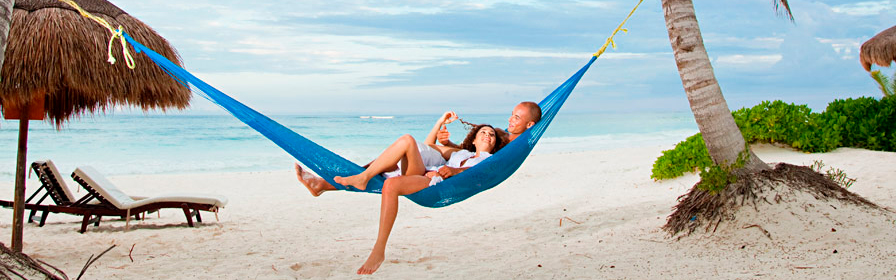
(357, 181)
(373, 263)
(314, 184)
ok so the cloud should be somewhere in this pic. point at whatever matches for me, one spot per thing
(284, 55)
(755, 60)
(865, 8)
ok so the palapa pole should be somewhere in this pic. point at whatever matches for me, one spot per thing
(19, 202)
(6, 7)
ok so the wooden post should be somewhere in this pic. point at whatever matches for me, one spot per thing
(19, 202)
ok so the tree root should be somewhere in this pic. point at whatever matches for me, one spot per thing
(22, 266)
(701, 208)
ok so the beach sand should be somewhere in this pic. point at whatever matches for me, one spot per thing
(576, 215)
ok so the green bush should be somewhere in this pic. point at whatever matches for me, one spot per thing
(688, 156)
(861, 123)
(773, 122)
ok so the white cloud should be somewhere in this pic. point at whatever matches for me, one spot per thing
(597, 4)
(716, 39)
(273, 49)
(752, 60)
(403, 10)
(846, 48)
(866, 8)
(291, 93)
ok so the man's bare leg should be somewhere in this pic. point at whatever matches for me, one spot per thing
(316, 185)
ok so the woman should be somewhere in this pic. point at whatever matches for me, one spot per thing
(480, 143)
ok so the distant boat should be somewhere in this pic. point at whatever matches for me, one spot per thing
(377, 117)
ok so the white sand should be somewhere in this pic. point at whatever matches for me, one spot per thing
(574, 215)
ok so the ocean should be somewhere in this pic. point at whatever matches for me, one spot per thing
(119, 144)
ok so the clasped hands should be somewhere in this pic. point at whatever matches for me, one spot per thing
(445, 172)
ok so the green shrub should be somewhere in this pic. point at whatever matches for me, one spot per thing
(861, 129)
(861, 123)
(887, 119)
(688, 156)
(773, 122)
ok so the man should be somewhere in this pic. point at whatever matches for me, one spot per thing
(524, 115)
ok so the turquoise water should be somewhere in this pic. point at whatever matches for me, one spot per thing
(157, 144)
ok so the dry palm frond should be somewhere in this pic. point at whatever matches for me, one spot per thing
(55, 51)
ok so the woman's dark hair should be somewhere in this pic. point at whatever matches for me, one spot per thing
(501, 139)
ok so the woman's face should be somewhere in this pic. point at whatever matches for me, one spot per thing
(485, 139)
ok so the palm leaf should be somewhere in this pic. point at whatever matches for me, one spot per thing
(887, 85)
(783, 3)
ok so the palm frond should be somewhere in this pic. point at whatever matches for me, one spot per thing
(783, 3)
(886, 85)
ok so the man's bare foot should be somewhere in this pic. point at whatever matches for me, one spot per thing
(373, 263)
(314, 184)
(357, 181)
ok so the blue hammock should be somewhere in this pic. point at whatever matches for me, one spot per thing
(483, 176)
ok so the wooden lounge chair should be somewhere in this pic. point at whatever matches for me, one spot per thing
(96, 204)
(54, 186)
(119, 204)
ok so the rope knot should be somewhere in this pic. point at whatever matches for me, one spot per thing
(610, 41)
(116, 33)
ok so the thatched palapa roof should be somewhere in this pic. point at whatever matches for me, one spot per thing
(880, 49)
(53, 50)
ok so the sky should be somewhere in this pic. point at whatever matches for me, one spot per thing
(425, 57)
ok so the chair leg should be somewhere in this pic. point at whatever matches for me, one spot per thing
(96, 221)
(189, 217)
(43, 218)
(31, 216)
(84, 223)
(198, 216)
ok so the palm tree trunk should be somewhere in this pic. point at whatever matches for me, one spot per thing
(720, 133)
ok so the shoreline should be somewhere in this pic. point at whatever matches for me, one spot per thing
(593, 214)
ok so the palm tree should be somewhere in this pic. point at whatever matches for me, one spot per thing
(720, 133)
(722, 137)
(887, 85)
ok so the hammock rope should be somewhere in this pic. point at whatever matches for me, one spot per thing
(618, 28)
(483, 176)
(116, 33)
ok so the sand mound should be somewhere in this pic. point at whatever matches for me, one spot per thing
(18, 265)
(791, 207)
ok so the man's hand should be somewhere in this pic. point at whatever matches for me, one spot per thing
(447, 172)
(444, 136)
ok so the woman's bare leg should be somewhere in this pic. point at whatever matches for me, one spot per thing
(316, 185)
(392, 189)
(404, 150)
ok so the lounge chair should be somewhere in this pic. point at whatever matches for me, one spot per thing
(94, 205)
(54, 186)
(51, 186)
(120, 204)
